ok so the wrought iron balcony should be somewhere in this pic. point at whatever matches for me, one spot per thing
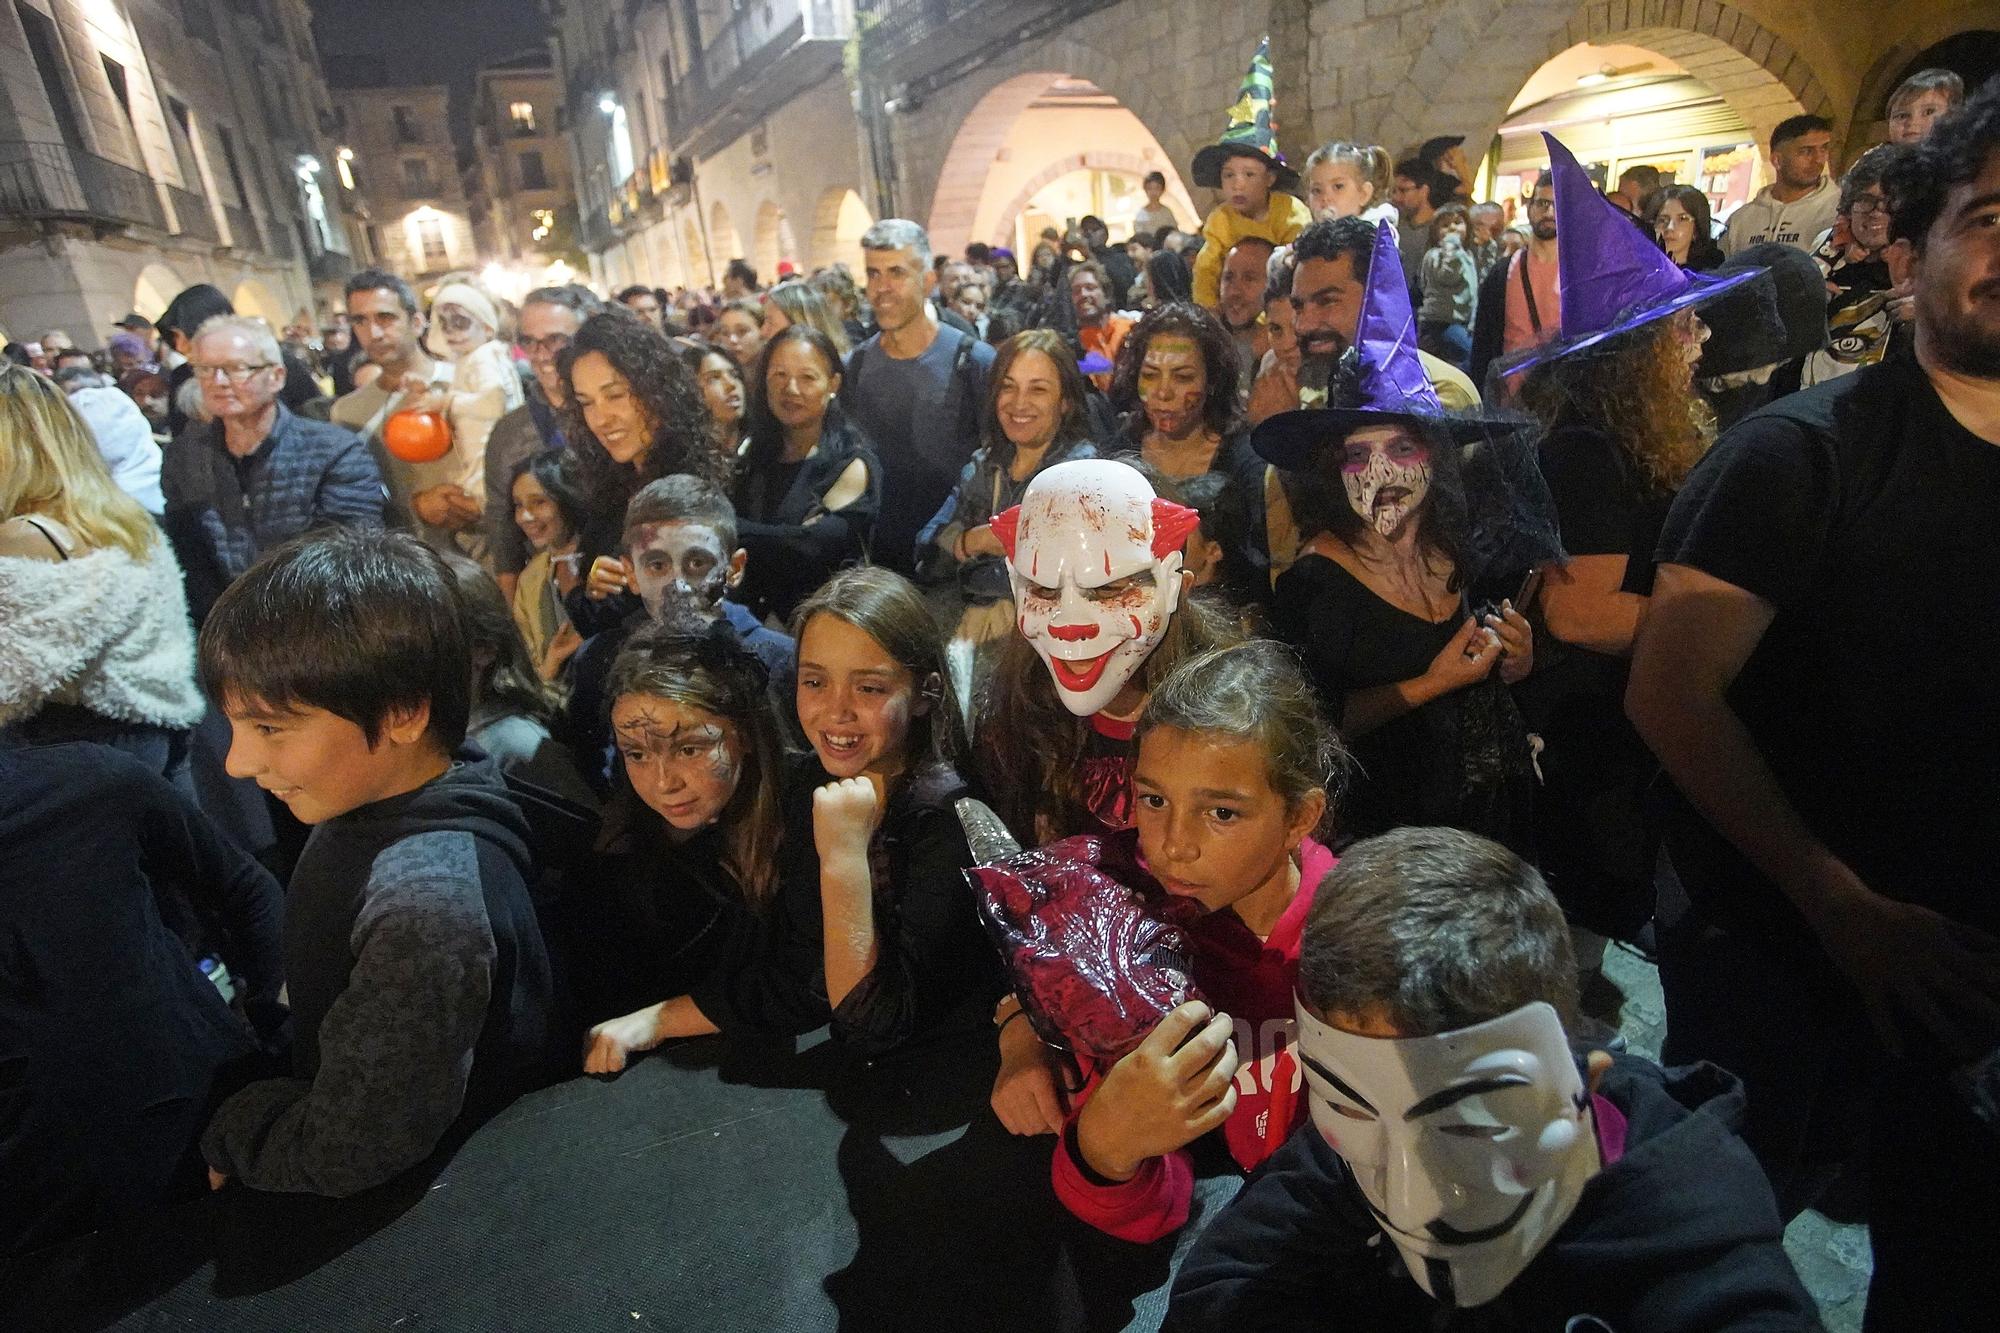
(916, 46)
(52, 182)
(193, 213)
(769, 52)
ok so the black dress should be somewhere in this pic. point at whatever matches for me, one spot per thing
(794, 545)
(1596, 844)
(1460, 761)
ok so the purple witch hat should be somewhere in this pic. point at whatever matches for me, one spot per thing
(1613, 277)
(1389, 384)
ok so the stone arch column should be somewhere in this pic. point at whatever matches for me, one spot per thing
(1479, 53)
(839, 219)
(774, 241)
(725, 241)
(1926, 30)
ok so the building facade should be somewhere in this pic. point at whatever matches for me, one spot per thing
(521, 196)
(397, 160)
(147, 145)
(777, 130)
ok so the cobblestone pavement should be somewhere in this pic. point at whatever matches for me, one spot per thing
(1832, 1257)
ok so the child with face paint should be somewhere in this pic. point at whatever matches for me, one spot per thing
(691, 839)
(680, 548)
(869, 925)
(450, 495)
(1453, 1125)
(1234, 769)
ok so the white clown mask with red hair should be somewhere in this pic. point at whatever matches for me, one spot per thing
(1095, 560)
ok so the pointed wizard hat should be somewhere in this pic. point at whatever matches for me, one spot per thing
(1613, 277)
(1387, 385)
(1252, 130)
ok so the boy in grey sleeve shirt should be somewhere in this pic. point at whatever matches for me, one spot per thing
(421, 988)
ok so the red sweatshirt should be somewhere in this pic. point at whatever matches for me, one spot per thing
(1251, 980)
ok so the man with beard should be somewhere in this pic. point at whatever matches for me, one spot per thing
(1816, 679)
(1241, 309)
(1329, 279)
(1097, 329)
(1797, 207)
(1520, 302)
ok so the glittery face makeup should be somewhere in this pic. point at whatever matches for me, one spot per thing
(1173, 381)
(683, 762)
(1387, 473)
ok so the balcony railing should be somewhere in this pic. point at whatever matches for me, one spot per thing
(194, 216)
(52, 182)
(921, 42)
(767, 54)
(242, 227)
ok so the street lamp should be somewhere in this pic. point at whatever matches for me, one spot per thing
(607, 103)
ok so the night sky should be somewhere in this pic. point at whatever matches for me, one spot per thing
(426, 41)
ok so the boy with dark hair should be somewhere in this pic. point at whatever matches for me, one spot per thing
(679, 543)
(420, 985)
(1451, 1120)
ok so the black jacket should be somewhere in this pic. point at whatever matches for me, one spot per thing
(422, 990)
(1489, 322)
(112, 1042)
(1679, 1234)
(934, 961)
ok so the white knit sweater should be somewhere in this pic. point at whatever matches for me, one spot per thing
(100, 630)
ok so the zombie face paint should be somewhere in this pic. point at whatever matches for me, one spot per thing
(684, 763)
(1095, 560)
(683, 558)
(1173, 382)
(1470, 1147)
(1387, 473)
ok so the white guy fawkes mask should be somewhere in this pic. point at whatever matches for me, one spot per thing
(1471, 1147)
(1095, 561)
(1387, 473)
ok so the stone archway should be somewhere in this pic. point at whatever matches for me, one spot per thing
(725, 242)
(157, 285)
(1929, 31)
(775, 241)
(254, 297)
(839, 219)
(1481, 52)
(981, 183)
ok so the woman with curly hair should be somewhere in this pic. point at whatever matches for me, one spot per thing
(1624, 427)
(1176, 379)
(723, 393)
(631, 412)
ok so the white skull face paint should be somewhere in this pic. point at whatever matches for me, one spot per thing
(1095, 561)
(1387, 473)
(1471, 1147)
(687, 558)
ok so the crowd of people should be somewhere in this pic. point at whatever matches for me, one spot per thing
(1387, 601)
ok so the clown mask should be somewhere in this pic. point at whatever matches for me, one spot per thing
(1387, 473)
(1470, 1147)
(1095, 561)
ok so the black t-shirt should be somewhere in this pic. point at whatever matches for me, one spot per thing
(1603, 502)
(1864, 513)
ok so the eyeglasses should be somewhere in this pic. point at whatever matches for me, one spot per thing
(456, 321)
(234, 374)
(549, 346)
(1867, 205)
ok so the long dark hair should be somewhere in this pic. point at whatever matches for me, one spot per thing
(504, 679)
(662, 384)
(1031, 747)
(554, 470)
(1168, 278)
(888, 608)
(767, 437)
(702, 665)
(1183, 319)
(1319, 501)
(1075, 423)
(1703, 252)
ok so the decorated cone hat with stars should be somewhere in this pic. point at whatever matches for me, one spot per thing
(1252, 130)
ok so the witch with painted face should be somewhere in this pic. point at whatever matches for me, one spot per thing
(1412, 669)
(1466, 1166)
(1094, 557)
